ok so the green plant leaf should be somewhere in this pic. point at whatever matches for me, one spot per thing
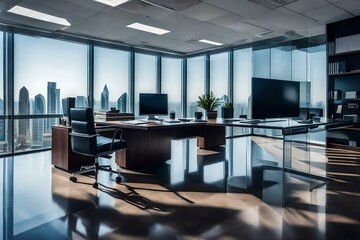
(208, 102)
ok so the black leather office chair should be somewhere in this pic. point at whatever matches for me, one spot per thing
(85, 140)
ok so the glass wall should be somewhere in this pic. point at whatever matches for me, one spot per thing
(111, 79)
(280, 60)
(195, 83)
(242, 81)
(261, 59)
(171, 76)
(45, 71)
(145, 76)
(219, 77)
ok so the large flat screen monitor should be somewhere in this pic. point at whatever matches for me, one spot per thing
(275, 98)
(152, 104)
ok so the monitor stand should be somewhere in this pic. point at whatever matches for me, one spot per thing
(152, 117)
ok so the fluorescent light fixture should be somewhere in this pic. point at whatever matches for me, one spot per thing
(38, 15)
(112, 3)
(210, 42)
(147, 28)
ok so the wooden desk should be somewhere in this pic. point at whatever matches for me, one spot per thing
(150, 144)
(61, 155)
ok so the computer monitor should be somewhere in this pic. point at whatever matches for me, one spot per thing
(275, 98)
(152, 104)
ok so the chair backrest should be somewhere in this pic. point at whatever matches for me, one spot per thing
(82, 127)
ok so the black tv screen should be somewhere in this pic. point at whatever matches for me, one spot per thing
(275, 98)
(153, 104)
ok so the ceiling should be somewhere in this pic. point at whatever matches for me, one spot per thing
(231, 22)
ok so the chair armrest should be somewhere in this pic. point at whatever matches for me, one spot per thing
(114, 129)
(83, 135)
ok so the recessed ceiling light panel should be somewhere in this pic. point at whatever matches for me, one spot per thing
(210, 42)
(38, 15)
(147, 28)
(112, 3)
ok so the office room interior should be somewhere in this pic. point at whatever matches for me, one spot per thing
(179, 119)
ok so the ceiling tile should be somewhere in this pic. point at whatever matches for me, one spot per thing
(287, 19)
(50, 10)
(328, 13)
(203, 12)
(6, 5)
(180, 20)
(349, 5)
(184, 34)
(22, 21)
(209, 28)
(145, 9)
(272, 4)
(228, 19)
(67, 7)
(237, 23)
(91, 4)
(241, 7)
(302, 6)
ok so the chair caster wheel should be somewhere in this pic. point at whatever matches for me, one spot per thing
(95, 185)
(73, 179)
(118, 179)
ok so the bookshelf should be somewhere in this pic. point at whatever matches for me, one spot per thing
(343, 57)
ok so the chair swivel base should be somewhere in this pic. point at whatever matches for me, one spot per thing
(95, 168)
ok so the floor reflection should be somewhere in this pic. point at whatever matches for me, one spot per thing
(198, 194)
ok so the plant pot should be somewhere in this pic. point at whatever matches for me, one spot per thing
(211, 114)
(227, 112)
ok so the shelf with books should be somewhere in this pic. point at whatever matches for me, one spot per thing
(343, 77)
(354, 72)
(344, 53)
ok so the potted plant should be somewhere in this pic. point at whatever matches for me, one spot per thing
(209, 103)
(227, 110)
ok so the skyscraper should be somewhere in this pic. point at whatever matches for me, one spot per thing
(80, 101)
(53, 101)
(105, 98)
(38, 124)
(121, 103)
(23, 140)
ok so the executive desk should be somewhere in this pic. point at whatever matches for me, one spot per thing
(150, 143)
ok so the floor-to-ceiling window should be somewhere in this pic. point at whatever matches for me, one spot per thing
(242, 81)
(3, 120)
(145, 76)
(111, 79)
(45, 71)
(195, 83)
(171, 76)
(219, 77)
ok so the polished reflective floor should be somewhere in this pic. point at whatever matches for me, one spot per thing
(230, 192)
